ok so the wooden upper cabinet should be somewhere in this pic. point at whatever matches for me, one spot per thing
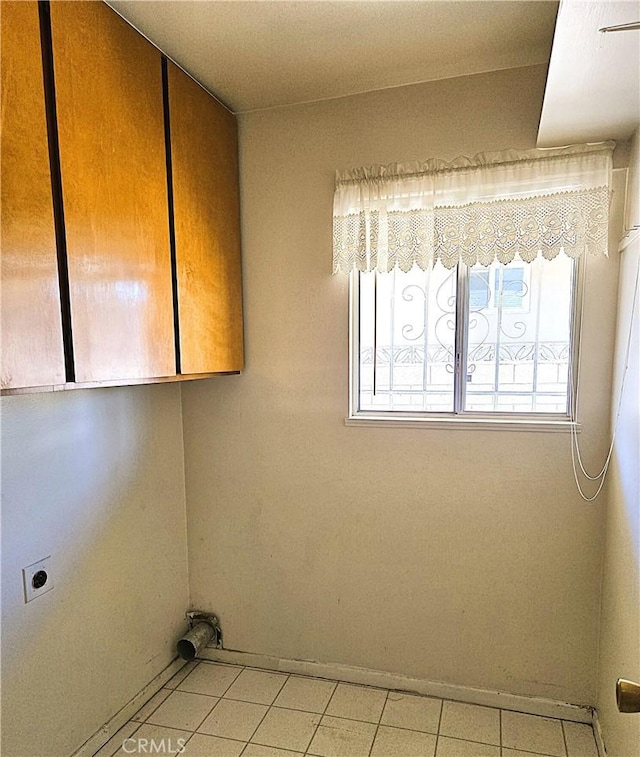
(204, 156)
(32, 348)
(110, 115)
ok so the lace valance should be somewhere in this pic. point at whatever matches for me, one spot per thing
(495, 206)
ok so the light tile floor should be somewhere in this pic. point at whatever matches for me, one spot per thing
(212, 710)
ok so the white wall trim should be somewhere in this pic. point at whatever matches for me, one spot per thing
(112, 726)
(629, 237)
(533, 705)
(395, 420)
(597, 732)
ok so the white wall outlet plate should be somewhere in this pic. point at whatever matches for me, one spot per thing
(37, 579)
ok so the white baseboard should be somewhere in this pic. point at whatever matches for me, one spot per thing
(597, 732)
(109, 729)
(533, 705)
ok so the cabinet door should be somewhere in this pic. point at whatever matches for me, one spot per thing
(204, 156)
(108, 83)
(32, 348)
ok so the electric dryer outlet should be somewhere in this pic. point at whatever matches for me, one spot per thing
(37, 579)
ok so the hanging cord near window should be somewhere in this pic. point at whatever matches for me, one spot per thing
(576, 457)
(375, 332)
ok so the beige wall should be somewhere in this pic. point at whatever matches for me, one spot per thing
(95, 478)
(465, 557)
(620, 623)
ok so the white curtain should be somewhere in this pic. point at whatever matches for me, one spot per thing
(495, 206)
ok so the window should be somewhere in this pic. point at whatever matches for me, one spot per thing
(464, 280)
(469, 341)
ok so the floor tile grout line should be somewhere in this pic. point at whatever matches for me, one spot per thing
(527, 751)
(210, 696)
(286, 677)
(133, 719)
(564, 739)
(295, 676)
(411, 730)
(220, 696)
(357, 720)
(435, 749)
(253, 733)
(191, 735)
(140, 725)
(339, 717)
(226, 691)
(186, 675)
(467, 741)
(263, 704)
(232, 682)
(533, 715)
(322, 714)
(375, 734)
(228, 664)
(305, 712)
(264, 716)
(268, 671)
(465, 738)
(224, 738)
(207, 715)
(333, 693)
(195, 662)
(135, 730)
(270, 746)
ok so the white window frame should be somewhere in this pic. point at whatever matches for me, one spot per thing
(459, 418)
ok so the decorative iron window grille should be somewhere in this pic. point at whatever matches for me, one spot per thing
(480, 342)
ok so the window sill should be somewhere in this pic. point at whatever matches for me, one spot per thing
(467, 424)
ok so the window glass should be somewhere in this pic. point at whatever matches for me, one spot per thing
(479, 289)
(466, 341)
(408, 324)
(519, 345)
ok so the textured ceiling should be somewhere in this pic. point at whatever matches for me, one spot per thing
(271, 53)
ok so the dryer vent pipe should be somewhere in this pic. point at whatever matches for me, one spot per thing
(204, 628)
